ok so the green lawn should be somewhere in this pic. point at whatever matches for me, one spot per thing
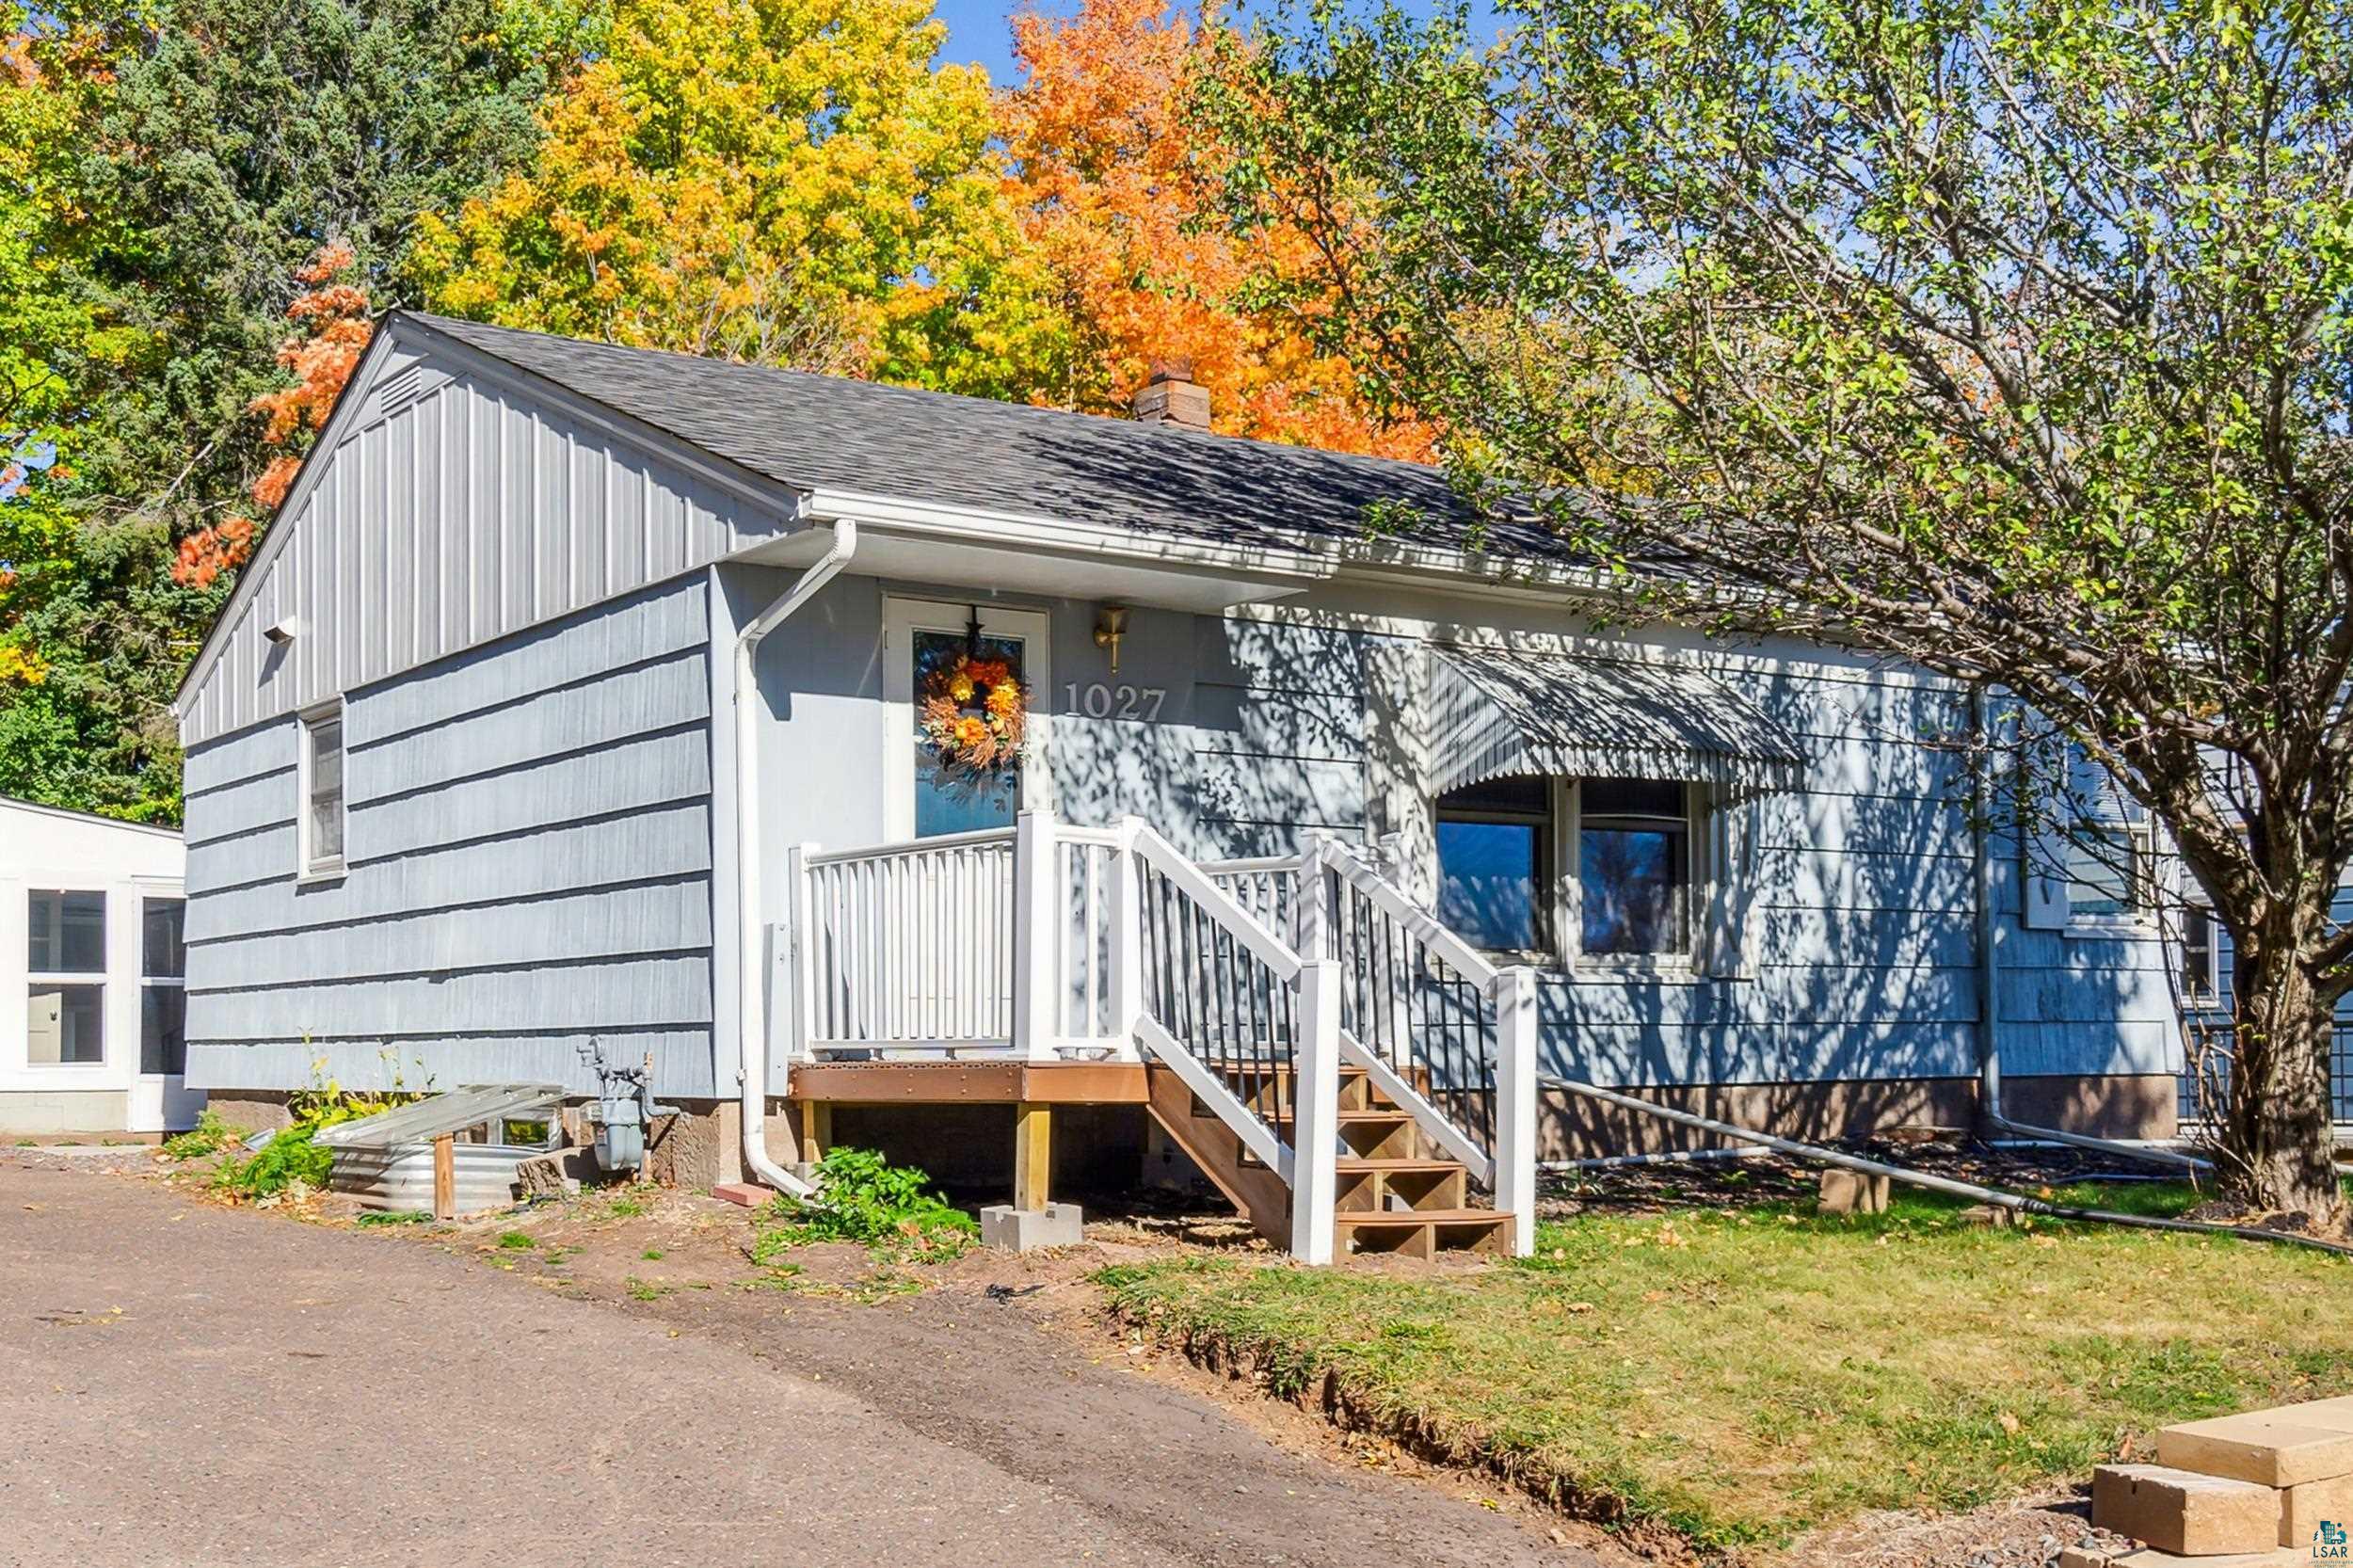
(1743, 1374)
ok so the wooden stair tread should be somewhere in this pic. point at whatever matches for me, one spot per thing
(1359, 1162)
(1360, 1218)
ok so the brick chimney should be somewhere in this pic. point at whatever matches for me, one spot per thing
(1171, 396)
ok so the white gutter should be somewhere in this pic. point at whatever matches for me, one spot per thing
(751, 1011)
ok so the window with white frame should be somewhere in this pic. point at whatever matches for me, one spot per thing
(1634, 868)
(322, 832)
(162, 988)
(1496, 869)
(66, 994)
(2197, 956)
(1599, 871)
(2108, 874)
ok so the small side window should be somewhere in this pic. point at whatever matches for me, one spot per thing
(2108, 874)
(2197, 966)
(322, 792)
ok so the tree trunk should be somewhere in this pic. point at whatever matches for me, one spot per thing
(2279, 1135)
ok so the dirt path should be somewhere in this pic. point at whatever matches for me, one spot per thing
(185, 1384)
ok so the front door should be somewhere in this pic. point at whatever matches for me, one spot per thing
(925, 642)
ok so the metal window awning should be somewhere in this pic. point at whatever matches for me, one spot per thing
(1496, 714)
(437, 1114)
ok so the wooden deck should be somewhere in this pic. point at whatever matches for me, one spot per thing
(970, 1083)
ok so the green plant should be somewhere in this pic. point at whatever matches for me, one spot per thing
(516, 1240)
(651, 1254)
(625, 1208)
(209, 1136)
(647, 1290)
(391, 1217)
(862, 1198)
(286, 1159)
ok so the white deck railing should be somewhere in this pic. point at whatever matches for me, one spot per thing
(1050, 942)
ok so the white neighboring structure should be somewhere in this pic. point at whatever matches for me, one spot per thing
(91, 1034)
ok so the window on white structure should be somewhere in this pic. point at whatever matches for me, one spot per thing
(2108, 874)
(162, 988)
(1634, 868)
(2198, 954)
(66, 995)
(323, 792)
(1497, 863)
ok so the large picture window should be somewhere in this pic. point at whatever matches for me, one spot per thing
(1495, 863)
(1634, 868)
(1598, 870)
(66, 997)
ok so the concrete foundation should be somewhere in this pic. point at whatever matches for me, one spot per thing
(1010, 1229)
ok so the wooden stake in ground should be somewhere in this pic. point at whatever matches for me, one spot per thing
(445, 1177)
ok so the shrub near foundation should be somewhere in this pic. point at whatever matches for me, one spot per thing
(862, 1198)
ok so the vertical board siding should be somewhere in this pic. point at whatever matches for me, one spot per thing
(529, 866)
(443, 521)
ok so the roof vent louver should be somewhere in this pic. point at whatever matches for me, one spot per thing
(399, 391)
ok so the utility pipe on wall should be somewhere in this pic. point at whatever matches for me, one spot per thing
(1989, 990)
(2018, 1203)
(751, 1011)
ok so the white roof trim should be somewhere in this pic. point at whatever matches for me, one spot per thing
(69, 814)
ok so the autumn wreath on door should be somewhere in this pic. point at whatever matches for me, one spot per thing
(976, 715)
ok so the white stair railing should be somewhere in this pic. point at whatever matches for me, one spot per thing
(1048, 941)
(1443, 1029)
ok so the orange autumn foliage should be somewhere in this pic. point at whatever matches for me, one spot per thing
(1108, 177)
(332, 329)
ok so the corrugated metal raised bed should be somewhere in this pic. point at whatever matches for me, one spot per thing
(389, 1160)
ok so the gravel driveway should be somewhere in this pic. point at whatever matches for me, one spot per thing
(180, 1383)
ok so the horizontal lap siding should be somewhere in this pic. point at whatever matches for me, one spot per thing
(1278, 742)
(529, 866)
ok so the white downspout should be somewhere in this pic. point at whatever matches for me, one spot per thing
(1989, 984)
(751, 1011)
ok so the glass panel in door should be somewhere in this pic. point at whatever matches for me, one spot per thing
(959, 800)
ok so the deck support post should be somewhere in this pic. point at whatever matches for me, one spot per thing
(815, 1133)
(1516, 1027)
(1316, 1133)
(1032, 1155)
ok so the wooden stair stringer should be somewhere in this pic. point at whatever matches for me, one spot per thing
(1259, 1193)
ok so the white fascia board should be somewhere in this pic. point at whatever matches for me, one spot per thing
(976, 525)
(63, 813)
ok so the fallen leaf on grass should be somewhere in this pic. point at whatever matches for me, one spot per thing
(2009, 1422)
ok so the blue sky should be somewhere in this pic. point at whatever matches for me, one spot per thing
(976, 29)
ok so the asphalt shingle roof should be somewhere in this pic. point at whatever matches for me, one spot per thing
(811, 431)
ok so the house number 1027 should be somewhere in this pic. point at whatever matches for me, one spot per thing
(1136, 704)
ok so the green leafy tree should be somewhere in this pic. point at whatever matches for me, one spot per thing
(193, 155)
(782, 180)
(2009, 339)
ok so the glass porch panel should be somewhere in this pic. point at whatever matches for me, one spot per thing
(65, 1025)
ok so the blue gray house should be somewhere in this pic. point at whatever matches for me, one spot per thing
(584, 694)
